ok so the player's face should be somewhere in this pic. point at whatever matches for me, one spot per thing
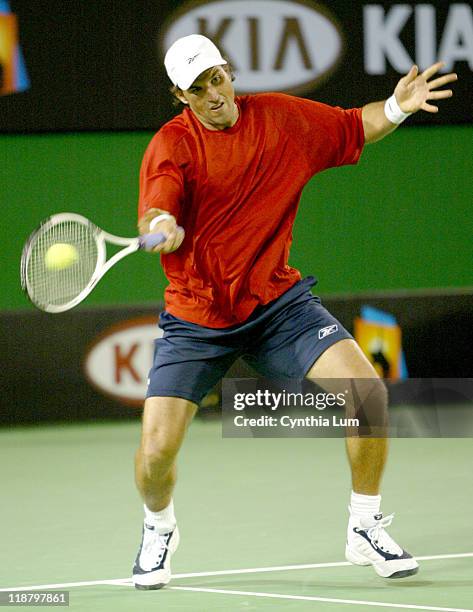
(211, 98)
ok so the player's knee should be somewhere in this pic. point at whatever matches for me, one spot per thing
(159, 454)
(370, 402)
(378, 395)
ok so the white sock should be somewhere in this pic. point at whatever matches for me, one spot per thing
(364, 505)
(164, 520)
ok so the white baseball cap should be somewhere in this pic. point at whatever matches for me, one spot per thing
(190, 56)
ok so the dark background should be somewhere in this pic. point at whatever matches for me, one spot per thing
(42, 354)
(96, 66)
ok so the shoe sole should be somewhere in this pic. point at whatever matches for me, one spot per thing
(149, 587)
(403, 573)
(358, 559)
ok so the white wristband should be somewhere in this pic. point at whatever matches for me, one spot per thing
(393, 111)
(155, 220)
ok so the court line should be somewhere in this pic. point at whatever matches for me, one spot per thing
(378, 604)
(252, 570)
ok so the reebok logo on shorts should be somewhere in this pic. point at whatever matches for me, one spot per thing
(326, 331)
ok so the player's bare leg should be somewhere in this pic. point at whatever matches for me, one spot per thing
(165, 422)
(367, 456)
(367, 541)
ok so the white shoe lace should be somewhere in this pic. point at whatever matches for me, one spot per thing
(381, 538)
(154, 547)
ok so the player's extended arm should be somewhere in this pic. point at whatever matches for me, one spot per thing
(168, 226)
(412, 93)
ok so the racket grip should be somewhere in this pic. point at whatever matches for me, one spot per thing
(149, 241)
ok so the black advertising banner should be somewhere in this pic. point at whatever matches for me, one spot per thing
(98, 65)
(93, 363)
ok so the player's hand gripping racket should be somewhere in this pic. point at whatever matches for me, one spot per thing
(66, 256)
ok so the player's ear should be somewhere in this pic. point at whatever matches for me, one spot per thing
(177, 95)
(180, 96)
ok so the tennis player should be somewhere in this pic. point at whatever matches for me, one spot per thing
(230, 172)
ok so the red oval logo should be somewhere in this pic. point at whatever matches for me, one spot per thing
(117, 362)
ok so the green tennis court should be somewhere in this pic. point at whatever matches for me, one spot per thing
(262, 521)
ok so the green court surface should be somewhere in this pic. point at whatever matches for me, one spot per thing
(276, 508)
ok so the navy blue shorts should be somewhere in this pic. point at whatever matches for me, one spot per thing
(279, 340)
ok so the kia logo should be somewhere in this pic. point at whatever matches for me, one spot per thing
(118, 361)
(273, 45)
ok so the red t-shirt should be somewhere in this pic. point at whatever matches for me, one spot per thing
(236, 193)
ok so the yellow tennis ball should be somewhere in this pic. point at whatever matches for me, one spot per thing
(60, 256)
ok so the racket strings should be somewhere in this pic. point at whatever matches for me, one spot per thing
(56, 285)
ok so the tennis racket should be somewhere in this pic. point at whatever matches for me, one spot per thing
(66, 256)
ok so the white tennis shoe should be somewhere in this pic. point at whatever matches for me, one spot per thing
(368, 543)
(152, 569)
